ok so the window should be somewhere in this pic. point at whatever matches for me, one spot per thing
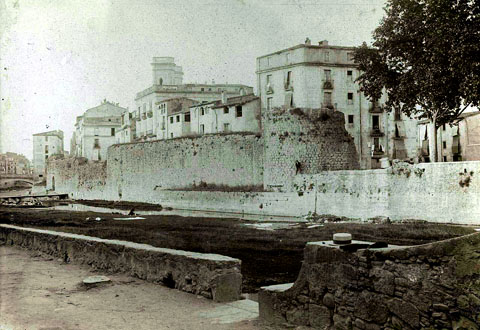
(46, 156)
(46, 138)
(328, 75)
(397, 131)
(178, 118)
(444, 144)
(269, 103)
(269, 79)
(238, 110)
(160, 81)
(350, 98)
(112, 131)
(288, 83)
(187, 117)
(202, 111)
(444, 127)
(202, 89)
(226, 127)
(202, 129)
(171, 135)
(46, 149)
(375, 122)
(444, 158)
(327, 98)
(96, 144)
(327, 56)
(349, 75)
(397, 115)
(376, 145)
(350, 119)
(171, 120)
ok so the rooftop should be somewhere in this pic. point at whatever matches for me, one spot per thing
(58, 133)
(237, 100)
(319, 46)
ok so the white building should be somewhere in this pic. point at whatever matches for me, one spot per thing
(235, 114)
(323, 76)
(156, 124)
(45, 145)
(95, 131)
(167, 83)
(126, 132)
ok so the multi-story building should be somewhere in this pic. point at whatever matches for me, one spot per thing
(12, 163)
(156, 125)
(323, 76)
(235, 114)
(167, 83)
(126, 132)
(95, 131)
(45, 145)
(458, 142)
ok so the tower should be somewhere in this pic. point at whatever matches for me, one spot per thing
(166, 72)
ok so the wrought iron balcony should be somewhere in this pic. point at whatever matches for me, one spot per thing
(328, 84)
(328, 105)
(376, 132)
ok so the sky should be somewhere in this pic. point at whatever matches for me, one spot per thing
(60, 58)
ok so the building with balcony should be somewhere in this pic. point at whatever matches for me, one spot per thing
(457, 142)
(156, 124)
(323, 76)
(235, 114)
(127, 130)
(95, 130)
(46, 144)
(167, 83)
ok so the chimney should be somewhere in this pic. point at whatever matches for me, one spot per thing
(323, 43)
(308, 41)
(224, 97)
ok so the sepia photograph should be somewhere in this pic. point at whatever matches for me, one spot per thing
(239, 164)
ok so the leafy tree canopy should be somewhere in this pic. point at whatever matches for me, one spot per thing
(426, 57)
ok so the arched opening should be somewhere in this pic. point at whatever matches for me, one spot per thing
(53, 183)
(160, 81)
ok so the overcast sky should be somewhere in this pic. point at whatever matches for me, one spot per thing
(59, 58)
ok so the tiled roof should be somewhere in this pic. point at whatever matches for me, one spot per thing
(237, 100)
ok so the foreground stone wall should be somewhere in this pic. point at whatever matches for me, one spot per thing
(432, 286)
(210, 275)
(305, 141)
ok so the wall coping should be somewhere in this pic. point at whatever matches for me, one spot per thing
(147, 247)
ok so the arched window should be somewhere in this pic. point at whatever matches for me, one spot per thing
(160, 81)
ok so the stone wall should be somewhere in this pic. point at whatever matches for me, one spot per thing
(305, 141)
(437, 192)
(142, 169)
(432, 286)
(78, 177)
(210, 275)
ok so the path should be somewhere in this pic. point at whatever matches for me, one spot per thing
(39, 292)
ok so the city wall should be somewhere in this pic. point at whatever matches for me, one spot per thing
(432, 286)
(142, 169)
(211, 275)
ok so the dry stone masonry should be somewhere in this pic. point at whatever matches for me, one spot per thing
(432, 286)
(211, 275)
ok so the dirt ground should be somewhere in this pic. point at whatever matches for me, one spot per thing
(41, 293)
(268, 256)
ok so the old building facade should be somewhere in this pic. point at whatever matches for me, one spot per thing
(127, 131)
(323, 77)
(95, 131)
(235, 114)
(12, 163)
(45, 145)
(456, 142)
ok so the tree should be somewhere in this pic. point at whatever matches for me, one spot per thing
(426, 58)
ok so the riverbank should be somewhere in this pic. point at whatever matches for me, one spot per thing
(271, 252)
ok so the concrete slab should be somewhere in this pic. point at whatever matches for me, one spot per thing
(237, 311)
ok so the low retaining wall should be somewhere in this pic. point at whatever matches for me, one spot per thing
(432, 286)
(210, 275)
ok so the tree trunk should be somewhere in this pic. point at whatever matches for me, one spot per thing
(434, 152)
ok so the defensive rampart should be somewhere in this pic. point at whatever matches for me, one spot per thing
(305, 141)
(433, 286)
(210, 275)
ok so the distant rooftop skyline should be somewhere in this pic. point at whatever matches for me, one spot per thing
(59, 59)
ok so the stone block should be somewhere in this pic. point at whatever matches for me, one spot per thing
(227, 287)
(405, 311)
(319, 316)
